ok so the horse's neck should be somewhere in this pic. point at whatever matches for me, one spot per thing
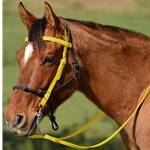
(103, 79)
(86, 47)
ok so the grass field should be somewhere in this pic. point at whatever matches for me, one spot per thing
(77, 111)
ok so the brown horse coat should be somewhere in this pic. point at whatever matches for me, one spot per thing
(114, 75)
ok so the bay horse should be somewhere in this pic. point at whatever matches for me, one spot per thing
(110, 65)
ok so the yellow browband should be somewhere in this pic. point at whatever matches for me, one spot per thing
(53, 39)
(48, 93)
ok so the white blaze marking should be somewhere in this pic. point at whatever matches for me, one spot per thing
(28, 53)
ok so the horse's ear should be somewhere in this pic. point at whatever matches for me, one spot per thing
(26, 17)
(51, 18)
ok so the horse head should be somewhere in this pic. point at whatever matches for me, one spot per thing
(39, 60)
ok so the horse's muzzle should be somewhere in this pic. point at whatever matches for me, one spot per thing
(21, 127)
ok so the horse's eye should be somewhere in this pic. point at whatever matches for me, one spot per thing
(48, 60)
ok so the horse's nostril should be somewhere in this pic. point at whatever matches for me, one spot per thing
(19, 121)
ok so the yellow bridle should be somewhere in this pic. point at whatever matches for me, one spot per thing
(63, 61)
(44, 100)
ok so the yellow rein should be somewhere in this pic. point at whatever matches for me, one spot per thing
(48, 93)
(66, 143)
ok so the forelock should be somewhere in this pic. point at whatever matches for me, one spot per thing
(36, 32)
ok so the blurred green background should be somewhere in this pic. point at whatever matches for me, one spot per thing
(77, 111)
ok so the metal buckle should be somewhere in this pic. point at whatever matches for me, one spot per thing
(39, 117)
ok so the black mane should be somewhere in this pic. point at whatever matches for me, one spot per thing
(93, 25)
(38, 27)
(110, 29)
(89, 24)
